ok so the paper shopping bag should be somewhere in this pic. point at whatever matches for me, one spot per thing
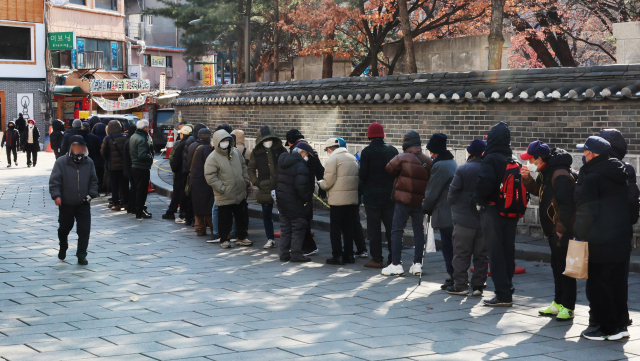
(577, 260)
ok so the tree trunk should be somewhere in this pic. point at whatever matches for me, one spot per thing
(410, 58)
(496, 40)
(327, 61)
(276, 42)
(240, 58)
(543, 54)
(231, 64)
(373, 67)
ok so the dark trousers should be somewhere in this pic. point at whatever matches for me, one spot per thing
(186, 209)
(468, 242)
(15, 154)
(446, 235)
(607, 295)
(141, 184)
(309, 244)
(267, 220)
(565, 287)
(226, 215)
(341, 220)
(358, 233)
(292, 230)
(401, 215)
(132, 196)
(32, 152)
(81, 215)
(376, 217)
(57, 153)
(176, 195)
(201, 223)
(100, 175)
(500, 237)
(119, 182)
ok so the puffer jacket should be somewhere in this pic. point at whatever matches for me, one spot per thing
(113, 146)
(341, 178)
(201, 194)
(462, 188)
(554, 186)
(411, 177)
(141, 150)
(189, 141)
(176, 161)
(263, 164)
(376, 183)
(494, 163)
(11, 138)
(435, 203)
(72, 182)
(226, 172)
(57, 134)
(100, 132)
(292, 191)
(64, 148)
(239, 134)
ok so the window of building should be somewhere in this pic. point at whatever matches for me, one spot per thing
(77, 2)
(169, 62)
(15, 43)
(61, 59)
(189, 66)
(107, 4)
(111, 51)
(146, 60)
(149, 19)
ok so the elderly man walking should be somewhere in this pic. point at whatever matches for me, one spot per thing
(72, 185)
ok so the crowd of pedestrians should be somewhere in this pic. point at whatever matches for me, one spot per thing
(21, 135)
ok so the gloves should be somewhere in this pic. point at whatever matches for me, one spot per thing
(322, 194)
(87, 199)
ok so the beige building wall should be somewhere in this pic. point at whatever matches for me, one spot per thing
(627, 42)
(88, 21)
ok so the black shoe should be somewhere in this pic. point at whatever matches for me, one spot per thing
(147, 213)
(598, 335)
(303, 259)
(62, 253)
(143, 215)
(494, 302)
(9, 165)
(447, 283)
(82, 261)
(169, 216)
(348, 259)
(34, 164)
(285, 258)
(335, 261)
(188, 222)
(28, 165)
(453, 290)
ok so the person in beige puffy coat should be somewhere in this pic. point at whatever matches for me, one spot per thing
(341, 180)
(226, 172)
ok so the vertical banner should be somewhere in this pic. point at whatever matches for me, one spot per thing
(163, 81)
(207, 74)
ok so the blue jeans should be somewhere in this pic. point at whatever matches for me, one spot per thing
(400, 216)
(267, 219)
(214, 217)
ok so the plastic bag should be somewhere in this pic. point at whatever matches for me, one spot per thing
(431, 241)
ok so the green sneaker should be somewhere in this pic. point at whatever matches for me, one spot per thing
(550, 311)
(565, 314)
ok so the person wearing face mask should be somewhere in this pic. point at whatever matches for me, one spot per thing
(603, 220)
(175, 161)
(56, 136)
(31, 143)
(141, 151)
(72, 185)
(11, 138)
(263, 166)
(226, 172)
(554, 187)
(201, 193)
(185, 203)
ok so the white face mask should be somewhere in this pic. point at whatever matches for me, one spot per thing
(224, 144)
(306, 158)
(532, 167)
(267, 143)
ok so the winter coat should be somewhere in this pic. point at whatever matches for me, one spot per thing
(494, 163)
(188, 142)
(141, 148)
(25, 137)
(93, 120)
(619, 150)
(341, 178)
(239, 134)
(72, 182)
(10, 138)
(113, 146)
(603, 219)
(462, 188)
(64, 148)
(57, 134)
(226, 172)
(316, 172)
(292, 190)
(176, 161)
(202, 194)
(435, 203)
(554, 186)
(263, 164)
(99, 132)
(375, 182)
(411, 177)
(21, 124)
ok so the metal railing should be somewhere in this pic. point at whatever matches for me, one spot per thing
(91, 60)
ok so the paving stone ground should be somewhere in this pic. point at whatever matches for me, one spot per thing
(198, 302)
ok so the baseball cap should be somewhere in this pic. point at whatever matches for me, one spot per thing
(595, 144)
(536, 149)
(331, 142)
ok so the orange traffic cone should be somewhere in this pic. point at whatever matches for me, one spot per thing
(150, 189)
(169, 145)
(49, 150)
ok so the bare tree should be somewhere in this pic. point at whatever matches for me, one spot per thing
(496, 40)
(408, 40)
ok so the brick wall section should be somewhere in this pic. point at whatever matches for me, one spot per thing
(12, 88)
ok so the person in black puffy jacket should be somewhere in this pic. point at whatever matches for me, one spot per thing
(11, 139)
(186, 206)
(56, 136)
(292, 193)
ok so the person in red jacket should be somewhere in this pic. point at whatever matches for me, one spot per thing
(12, 139)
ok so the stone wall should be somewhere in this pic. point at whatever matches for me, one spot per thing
(11, 89)
(627, 42)
(310, 67)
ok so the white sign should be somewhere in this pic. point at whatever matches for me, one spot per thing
(112, 105)
(25, 105)
(135, 71)
(59, 2)
(158, 61)
(163, 81)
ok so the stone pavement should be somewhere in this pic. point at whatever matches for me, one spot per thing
(155, 291)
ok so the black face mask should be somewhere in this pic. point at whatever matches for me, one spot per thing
(77, 158)
(11, 127)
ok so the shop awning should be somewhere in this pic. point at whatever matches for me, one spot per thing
(62, 90)
(167, 98)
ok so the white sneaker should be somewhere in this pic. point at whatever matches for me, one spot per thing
(416, 269)
(393, 270)
(362, 255)
(180, 220)
(226, 244)
(217, 240)
(270, 244)
(311, 253)
(243, 242)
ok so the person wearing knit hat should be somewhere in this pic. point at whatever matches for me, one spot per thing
(293, 137)
(468, 239)
(377, 186)
(435, 204)
(175, 161)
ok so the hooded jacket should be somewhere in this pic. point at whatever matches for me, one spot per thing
(603, 217)
(57, 134)
(411, 177)
(141, 148)
(376, 183)
(239, 134)
(202, 195)
(341, 178)
(11, 138)
(226, 171)
(435, 203)
(292, 191)
(113, 144)
(100, 132)
(72, 182)
(461, 190)
(494, 163)
(263, 164)
(554, 186)
(64, 148)
(93, 120)
(189, 141)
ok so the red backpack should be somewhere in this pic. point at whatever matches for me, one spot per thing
(513, 195)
